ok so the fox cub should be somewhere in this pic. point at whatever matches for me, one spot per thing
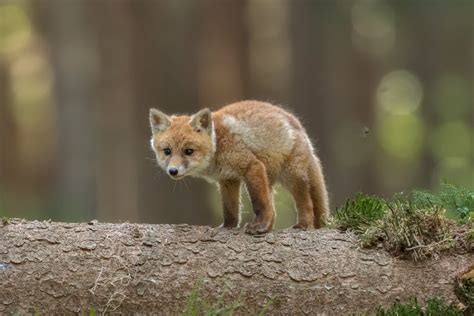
(251, 142)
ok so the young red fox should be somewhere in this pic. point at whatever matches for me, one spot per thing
(252, 142)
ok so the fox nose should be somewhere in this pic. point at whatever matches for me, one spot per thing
(173, 171)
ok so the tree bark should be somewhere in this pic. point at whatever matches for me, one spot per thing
(136, 268)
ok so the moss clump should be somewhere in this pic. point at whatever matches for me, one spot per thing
(409, 230)
(411, 308)
(413, 226)
(359, 213)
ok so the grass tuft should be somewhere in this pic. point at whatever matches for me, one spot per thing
(411, 308)
(197, 306)
(359, 213)
(457, 201)
(416, 232)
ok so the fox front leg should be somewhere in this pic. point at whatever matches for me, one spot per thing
(258, 187)
(230, 191)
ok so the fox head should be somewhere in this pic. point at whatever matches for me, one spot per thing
(183, 145)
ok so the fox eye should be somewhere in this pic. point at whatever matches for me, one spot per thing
(167, 151)
(188, 151)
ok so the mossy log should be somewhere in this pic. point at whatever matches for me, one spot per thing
(48, 267)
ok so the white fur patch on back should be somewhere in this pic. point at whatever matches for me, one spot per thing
(261, 135)
(235, 126)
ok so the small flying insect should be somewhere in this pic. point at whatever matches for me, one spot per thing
(365, 131)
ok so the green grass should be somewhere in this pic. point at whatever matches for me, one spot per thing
(434, 307)
(457, 201)
(416, 226)
(359, 213)
(196, 305)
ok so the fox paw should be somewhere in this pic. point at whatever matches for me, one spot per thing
(257, 228)
(228, 226)
(301, 226)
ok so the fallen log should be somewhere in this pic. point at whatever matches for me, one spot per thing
(48, 267)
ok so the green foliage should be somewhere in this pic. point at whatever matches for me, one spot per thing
(92, 311)
(359, 213)
(434, 307)
(398, 309)
(195, 305)
(457, 201)
(265, 308)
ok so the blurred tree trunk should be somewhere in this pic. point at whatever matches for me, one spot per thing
(269, 50)
(444, 47)
(312, 92)
(333, 91)
(8, 140)
(358, 83)
(147, 269)
(118, 155)
(221, 52)
(165, 74)
(66, 26)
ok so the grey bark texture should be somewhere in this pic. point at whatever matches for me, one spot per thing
(126, 268)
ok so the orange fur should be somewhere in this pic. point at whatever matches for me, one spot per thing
(248, 142)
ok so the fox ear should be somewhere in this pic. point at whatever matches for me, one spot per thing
(202, 120)
(159, 121)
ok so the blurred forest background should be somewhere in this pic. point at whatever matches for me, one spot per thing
(385, 89)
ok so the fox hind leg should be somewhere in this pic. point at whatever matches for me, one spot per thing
(298, 185)
(303, 177)
(319, 194)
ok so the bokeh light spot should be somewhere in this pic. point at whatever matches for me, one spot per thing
(399, 92)
(15, 27)
(401, 135)
(373, 26)
(452, 139)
